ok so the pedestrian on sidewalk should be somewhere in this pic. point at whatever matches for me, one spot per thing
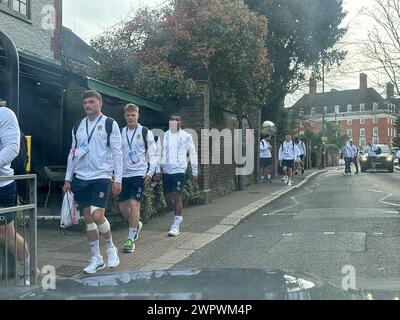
(398, 156)
(138, 170)
(173, 149)
(355, 155)
(288, 154)
(372, 154)
(9, 149)
(265, 159)
(303, 152)
(95, 154)
(348, 156)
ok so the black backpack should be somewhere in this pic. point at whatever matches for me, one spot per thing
(378, 151)
(21, 161)
(109, 128)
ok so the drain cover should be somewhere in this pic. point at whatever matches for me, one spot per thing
(68, 271)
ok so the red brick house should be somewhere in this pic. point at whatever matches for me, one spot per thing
(363, 114)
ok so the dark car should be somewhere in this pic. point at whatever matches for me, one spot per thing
(384, 159)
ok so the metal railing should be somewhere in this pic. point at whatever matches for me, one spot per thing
(31, 208)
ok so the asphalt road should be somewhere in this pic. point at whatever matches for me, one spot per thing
(331, 222)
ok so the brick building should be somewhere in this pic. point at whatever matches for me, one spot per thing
(363, 114)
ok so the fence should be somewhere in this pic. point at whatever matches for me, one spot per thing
(31, 208)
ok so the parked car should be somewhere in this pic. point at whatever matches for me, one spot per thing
(384, 160)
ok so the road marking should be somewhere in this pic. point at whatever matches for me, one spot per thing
(329, 233)
(384, 198)
(378, 233)
(286, 234)
(391, 211)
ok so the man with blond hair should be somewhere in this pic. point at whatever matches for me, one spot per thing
(138, 145)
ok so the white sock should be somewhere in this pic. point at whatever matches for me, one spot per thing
(132, 233)
(178, 220)
(95, 248)
(269, 176)
(109, 243)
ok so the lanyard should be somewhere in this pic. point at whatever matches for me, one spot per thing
(87, 128)
(133, 136)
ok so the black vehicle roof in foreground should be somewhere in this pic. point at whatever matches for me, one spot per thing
(197, 284)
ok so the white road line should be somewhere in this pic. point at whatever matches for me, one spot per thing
(286, 234)
(329, 233)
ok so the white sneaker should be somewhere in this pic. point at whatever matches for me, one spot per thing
(286, 180)
(96, 264)
(140, 226)
(112, 257)
(290, 183)
(174, 232)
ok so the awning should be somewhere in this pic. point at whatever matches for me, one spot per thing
(123, 95)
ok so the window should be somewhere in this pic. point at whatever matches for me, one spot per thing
(375, 106)
(392, 130)
(349, 108)
(376, 140)
(301, 113)
(325, 109)
(388, 132)
(362, 132)
(362, 107)
(337, 109)
(375, 119)
(349, 122)
(362, 121)
(17, 8)
(376, 131)
(350, 133)
(362, 142)
(313, 111)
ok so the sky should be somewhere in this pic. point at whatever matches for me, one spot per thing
(88, 19)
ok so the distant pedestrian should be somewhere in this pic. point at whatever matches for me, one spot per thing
(398, 156)
(355, 155)
(348, 156)
(303, 152)
(288, 154)
(372, 154)
(265, 159)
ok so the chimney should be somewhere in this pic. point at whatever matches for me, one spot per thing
(390, 91)
(363, 81)
(313, 87)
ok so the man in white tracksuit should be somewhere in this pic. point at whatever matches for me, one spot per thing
(9, 150)
(137, 142)
(288, 154)
(95, 155)
(173, 148)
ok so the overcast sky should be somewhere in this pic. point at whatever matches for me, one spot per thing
(90, 18)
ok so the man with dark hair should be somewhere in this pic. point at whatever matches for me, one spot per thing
(95, 154)
(173, 149)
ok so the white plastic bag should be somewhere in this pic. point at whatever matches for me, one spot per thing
(69, 212)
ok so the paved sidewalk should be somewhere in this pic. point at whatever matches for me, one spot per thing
(154, 249)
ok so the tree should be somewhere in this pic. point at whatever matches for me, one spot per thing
(172, 47)
(301, 35)
(383, 45)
